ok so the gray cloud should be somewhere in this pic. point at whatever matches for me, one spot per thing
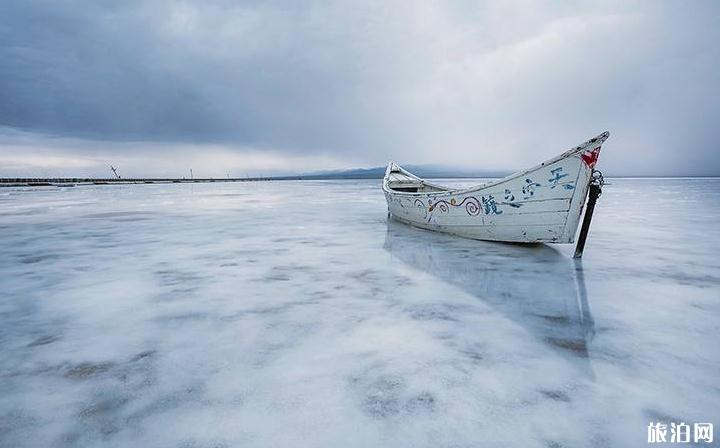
(494, 84)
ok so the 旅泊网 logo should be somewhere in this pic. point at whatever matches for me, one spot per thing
(660, 432)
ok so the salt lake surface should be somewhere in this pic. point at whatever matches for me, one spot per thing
(278, 314)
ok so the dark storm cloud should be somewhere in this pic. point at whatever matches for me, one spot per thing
(426, 82)
(176, 71)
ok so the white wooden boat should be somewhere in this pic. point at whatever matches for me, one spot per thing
(540, 204)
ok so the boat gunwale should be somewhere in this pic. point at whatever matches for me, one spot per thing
(600, 139)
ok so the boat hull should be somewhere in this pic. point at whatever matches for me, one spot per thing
(541, 204)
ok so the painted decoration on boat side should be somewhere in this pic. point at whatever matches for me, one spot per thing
(488, 204)
(591, 157)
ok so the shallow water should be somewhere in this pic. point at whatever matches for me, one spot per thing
(294, 314)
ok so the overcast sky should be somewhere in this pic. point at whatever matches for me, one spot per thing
(157, 87)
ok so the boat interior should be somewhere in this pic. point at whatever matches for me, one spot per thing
(406, 183)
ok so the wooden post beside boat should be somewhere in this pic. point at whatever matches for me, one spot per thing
(594, 192)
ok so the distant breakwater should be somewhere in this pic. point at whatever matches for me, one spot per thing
(73, 181)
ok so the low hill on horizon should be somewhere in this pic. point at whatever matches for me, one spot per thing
(426, 171)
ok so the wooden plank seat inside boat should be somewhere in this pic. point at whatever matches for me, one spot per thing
(399, 181)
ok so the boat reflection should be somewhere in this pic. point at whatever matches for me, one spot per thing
(533, 285)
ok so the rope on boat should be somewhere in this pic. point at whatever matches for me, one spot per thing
(596, 178)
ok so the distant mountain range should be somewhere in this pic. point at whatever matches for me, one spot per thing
(425, 171)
